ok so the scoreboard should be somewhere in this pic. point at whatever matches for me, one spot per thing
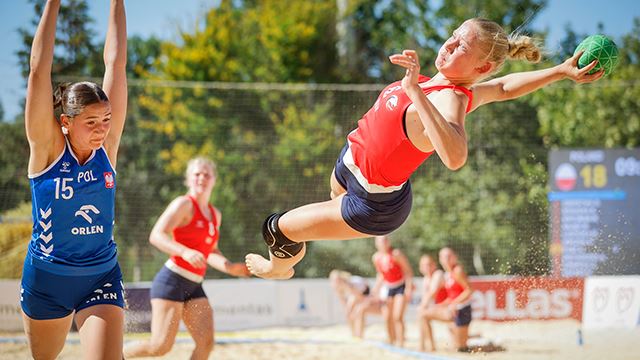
(594, 207)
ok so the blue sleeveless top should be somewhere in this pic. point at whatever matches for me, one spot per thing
(73, 210)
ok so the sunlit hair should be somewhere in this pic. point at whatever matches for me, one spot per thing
(200, 160)
(498, 46)
(72, 98)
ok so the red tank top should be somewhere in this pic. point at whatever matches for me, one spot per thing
(440, 296)
(453, 288)
(199, 234)
(389, 268)
(379, 145)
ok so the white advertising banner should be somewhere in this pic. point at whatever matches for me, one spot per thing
(308, 302)
(253, 303)
(243, 303)
(611, 302)
(10, 315)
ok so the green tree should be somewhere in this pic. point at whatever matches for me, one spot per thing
(380, 28)
(14, 152)
(602, 114)
(266, 148)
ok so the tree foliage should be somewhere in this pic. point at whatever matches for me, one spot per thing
(275, 144)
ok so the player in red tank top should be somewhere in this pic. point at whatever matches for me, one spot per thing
(395, 277)
(370, 187)
(433, 293)
(188, 231)
(456, 308)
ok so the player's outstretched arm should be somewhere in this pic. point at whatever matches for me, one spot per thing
(519, 84)
(40, 124)
(219, 262)
(115, 76)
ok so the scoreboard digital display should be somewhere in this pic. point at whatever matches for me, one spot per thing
(594, 207)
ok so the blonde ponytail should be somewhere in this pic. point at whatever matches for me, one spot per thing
(498, 46)
(523, 47)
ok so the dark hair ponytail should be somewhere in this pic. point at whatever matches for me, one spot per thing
(57, 97)
(71, 98)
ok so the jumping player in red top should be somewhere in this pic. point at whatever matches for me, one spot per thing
(188, 232)
(395, 278)
(410, 120)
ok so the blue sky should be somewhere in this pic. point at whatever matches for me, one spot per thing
(163, 17)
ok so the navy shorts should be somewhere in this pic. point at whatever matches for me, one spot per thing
(45, 295)
(171, 286)
(372, 214)
(394, 291)
(463, 316)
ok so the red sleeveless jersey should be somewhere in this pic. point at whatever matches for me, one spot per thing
(453, 288)
(440, 296)
(389, 268)
(199, 234)
(381, 151)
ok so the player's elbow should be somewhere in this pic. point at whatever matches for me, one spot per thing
(153, 238)
(455, 161)
(115, 60)
(456, 165)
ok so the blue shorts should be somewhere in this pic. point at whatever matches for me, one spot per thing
(394, 291)
(45, 295)
(372, 214)
(171, 286)
(463, 316)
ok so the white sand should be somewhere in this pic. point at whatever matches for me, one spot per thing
(523, 340)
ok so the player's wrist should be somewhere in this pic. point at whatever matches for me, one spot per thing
(413, 89)
(562, 71)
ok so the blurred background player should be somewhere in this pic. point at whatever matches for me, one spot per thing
(71, 264)
(188, 230)
(355, 295)
(433, 293)
(456, 309)
(395, 278)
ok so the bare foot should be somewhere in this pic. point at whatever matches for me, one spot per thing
(274, 268)
(261, 267)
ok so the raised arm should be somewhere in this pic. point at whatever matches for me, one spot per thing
(115, 76)
(443, 125)
(43, 131)
(515, 85)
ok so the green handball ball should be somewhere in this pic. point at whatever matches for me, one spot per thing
(601, 48)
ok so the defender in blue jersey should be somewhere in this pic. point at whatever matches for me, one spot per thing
(71, 265)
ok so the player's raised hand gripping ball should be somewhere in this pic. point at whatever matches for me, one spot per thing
(601, 48)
